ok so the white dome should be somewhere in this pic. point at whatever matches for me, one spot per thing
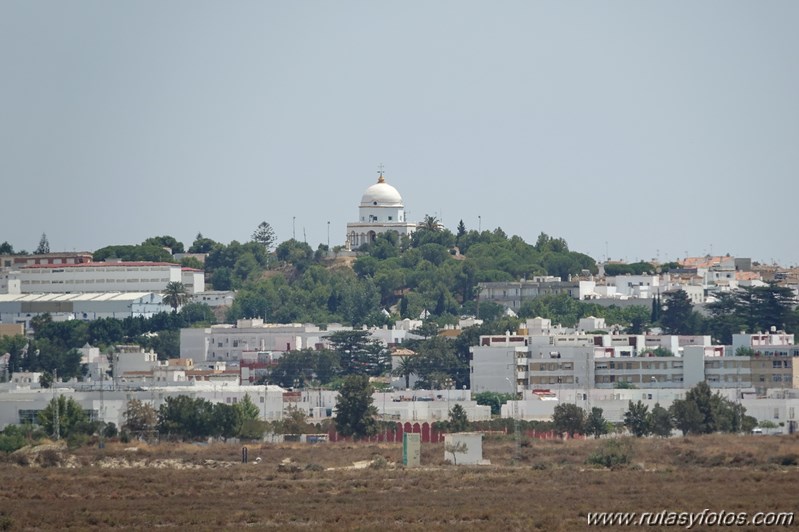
(381, 194)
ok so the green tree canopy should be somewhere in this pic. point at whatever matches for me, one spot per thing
(678, 316)
(175, 295)
(569, 418)
(458, 420)
(358, 353)
(660, 421)
(143, 252)
(355, 413)
(166, 241)
(636, 419)
(140, 419)
(264, 235)
(63, 416)
(43, 247)
(596, 424)
(703, 412)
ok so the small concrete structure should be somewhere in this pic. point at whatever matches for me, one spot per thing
(411, 449)
(464, 448)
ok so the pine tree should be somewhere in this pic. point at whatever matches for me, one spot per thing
(44, 246)
(265, 235)
(355, 413)
(461, 230)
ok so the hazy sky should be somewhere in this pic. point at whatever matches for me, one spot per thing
(641, 128)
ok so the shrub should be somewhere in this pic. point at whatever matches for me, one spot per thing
(378, 462)
(49, 458)
(611, 453)
(77, 439)
(785, 459)
(6, 523)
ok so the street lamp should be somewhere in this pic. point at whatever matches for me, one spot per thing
(657, 390)
(515, 415)
(448, 384)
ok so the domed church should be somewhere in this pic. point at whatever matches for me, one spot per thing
(381, 210)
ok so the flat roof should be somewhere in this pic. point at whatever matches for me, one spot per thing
(87, 296)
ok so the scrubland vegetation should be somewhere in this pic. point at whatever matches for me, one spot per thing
(537, 485)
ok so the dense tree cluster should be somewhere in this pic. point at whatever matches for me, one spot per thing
(701, 412)
(567, 311)
(434, 270)
(746, 309)
(54, 345)
(188, 419)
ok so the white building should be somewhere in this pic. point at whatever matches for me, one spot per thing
(231, 342)
(427, 405)
(637, 286)
(518, 363)
(109, 276)
(381, 210)
(20, 308)
(513, 294)
(214, 298)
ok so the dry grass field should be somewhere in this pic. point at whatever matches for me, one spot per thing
(549, 486)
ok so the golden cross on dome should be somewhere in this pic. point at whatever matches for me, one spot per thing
(380, 179)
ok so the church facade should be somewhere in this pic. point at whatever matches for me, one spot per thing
(381, 210)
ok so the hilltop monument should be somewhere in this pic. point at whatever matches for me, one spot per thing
(381, 210)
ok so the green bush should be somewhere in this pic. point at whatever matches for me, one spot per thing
(611, 453)
(76, 440)
(11, 442)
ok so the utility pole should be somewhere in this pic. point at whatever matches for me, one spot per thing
(56, 421)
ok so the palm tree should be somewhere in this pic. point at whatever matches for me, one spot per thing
(431, 223)
(405, 368)
(175, 295)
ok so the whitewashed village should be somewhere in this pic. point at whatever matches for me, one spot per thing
(533, 364)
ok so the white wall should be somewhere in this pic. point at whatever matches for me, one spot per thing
(99, 277)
